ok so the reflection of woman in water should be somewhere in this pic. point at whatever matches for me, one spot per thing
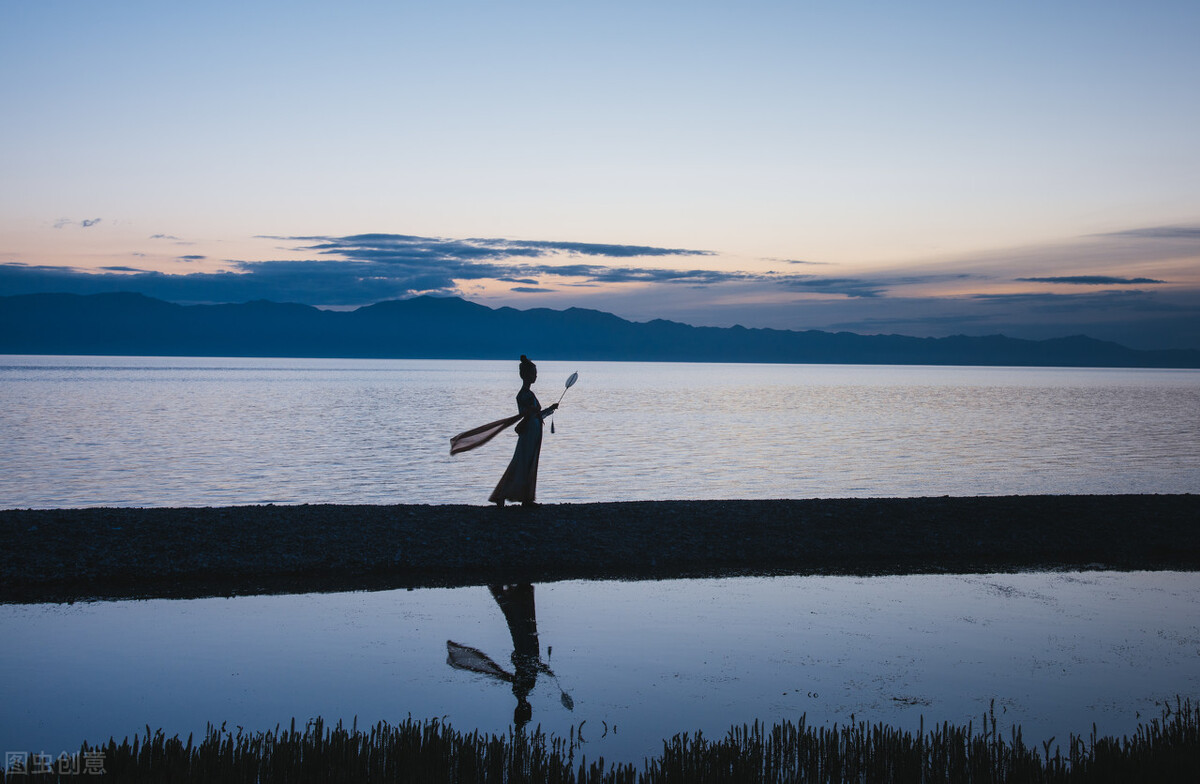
(516, 602)
(519, 482)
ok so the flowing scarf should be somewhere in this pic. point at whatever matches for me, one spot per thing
(479, 436)
(464, 657)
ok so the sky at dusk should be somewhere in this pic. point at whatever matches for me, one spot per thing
(1022, 168)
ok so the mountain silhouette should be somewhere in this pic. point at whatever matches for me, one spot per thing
(452, 328)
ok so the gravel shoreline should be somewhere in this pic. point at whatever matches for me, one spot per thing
(59, 555)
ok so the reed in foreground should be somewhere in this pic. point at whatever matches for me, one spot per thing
(1164, 750)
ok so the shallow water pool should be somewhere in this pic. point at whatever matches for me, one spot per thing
(627, 664)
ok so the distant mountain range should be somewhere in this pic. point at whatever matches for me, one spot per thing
(452, 328)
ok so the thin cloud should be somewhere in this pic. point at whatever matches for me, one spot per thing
(171, 238)
(850, 287)
(1091, 280)
(411, 246)
(531, 290)
(1099, 302)
(597, 273)
(1158, 233)
(610, 251)
(48, 268)
(85, 223)
(861, 287)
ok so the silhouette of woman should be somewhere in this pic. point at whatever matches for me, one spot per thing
(517, 603)
(519, 482)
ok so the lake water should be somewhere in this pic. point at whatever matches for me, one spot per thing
(640, 662)
(136, 431)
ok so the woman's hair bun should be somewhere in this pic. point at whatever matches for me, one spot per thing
(527, 369)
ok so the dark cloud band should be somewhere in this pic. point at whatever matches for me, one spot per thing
(1158, 233)
(1091, 280)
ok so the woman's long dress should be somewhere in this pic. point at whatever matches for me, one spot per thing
(519, 482)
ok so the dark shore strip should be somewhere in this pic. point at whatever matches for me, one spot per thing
(1163, 750)
(107, 553)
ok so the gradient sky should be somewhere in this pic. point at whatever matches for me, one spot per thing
(922, 168)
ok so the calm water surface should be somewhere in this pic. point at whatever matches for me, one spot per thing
(135, 431)
(640, 661)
